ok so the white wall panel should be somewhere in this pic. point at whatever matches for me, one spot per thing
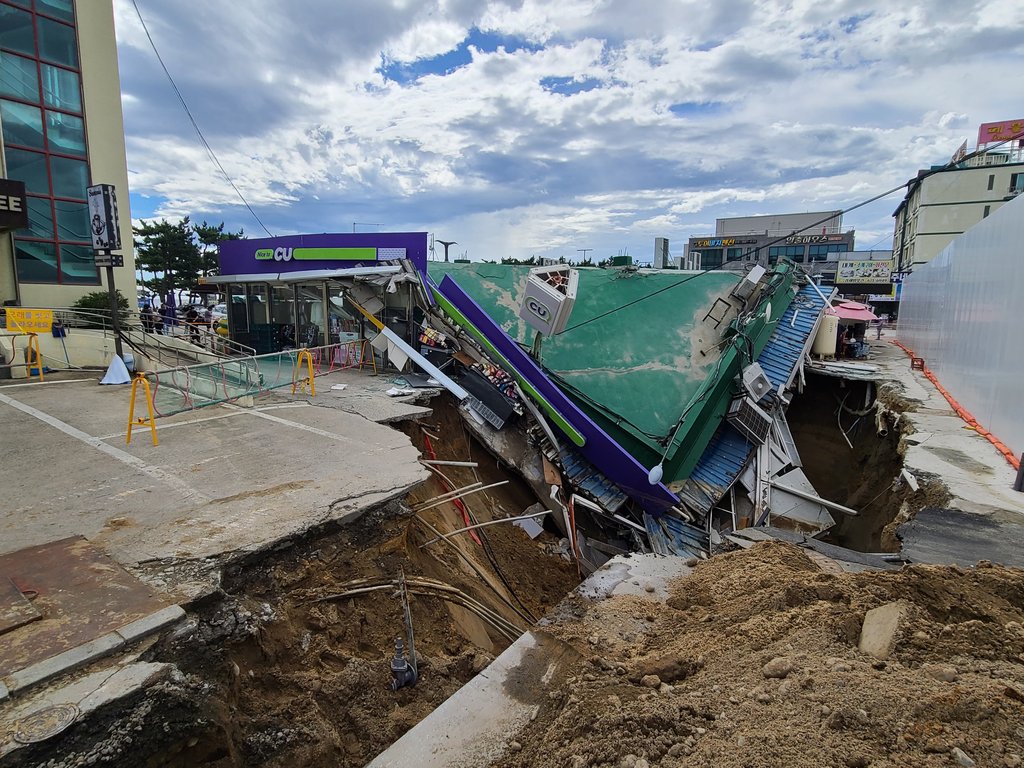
(963, 312)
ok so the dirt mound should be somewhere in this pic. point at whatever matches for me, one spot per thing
(754, 662)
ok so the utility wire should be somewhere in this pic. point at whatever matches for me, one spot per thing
(861, 204)
(195, 125)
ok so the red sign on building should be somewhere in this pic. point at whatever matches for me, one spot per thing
(1001, 131)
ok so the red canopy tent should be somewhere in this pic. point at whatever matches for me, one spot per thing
(852, 311)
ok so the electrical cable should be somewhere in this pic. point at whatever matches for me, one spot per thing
(861, 204)
(192, 120)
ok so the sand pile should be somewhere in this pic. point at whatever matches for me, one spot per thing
(755, 662)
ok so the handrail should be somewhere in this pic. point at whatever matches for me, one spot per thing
(131, 320)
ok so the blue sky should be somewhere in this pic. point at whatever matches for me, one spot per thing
(525, 127)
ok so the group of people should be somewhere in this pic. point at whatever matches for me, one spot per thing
(155, 322)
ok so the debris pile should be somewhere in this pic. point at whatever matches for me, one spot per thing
(756, 660)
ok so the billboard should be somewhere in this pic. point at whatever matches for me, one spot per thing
(862, 272)
(1004, 129)
(292, 253)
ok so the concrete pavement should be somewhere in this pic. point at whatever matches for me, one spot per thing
(223, 481)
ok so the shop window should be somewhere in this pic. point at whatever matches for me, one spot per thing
(16, 30)
(72, 221)
(22, 124)
(70, 177)
(18, 77)
(61, 89)
(711, 258)
(59, 9)
(57, 42)
(65, 133)
(29, 167)
(40, 219)
(37, 262)
(77, 263)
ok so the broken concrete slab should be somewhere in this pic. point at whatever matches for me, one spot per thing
(89, 693)
(881, 628)
(223, 481)
(63, 662)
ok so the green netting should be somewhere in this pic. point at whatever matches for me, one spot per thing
(187, 388)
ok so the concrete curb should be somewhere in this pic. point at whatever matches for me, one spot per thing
(83, 654)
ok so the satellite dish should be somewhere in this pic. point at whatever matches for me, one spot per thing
(655, 475)
(767, 313)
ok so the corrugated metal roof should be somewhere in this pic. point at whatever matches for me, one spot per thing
(717, 469)
(585, 476)
(784, 349)
(728, 452)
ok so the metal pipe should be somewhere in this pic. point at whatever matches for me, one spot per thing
(444, 496)
(816, 499)
(484, 525)
(440, 463)
(461, 495)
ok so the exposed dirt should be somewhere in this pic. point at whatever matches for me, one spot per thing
(754, 662)
(864, 477)
(302, 682)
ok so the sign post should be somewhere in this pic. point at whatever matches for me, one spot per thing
(106, 238)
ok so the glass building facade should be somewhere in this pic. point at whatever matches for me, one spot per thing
(44, 139)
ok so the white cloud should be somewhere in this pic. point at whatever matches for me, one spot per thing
(592, 122)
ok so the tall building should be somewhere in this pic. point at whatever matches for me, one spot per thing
(947, 200)
(815, 240)
(62, 129)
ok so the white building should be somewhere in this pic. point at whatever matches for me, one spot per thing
(947, 200)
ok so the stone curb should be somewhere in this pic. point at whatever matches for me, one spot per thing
(83, 654)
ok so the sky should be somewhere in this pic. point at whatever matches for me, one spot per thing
(532, 127)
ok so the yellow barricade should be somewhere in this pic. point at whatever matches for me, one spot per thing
(140, 378)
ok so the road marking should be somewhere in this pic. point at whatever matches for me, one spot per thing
(297, 425)
(35, 383)
(162, 427)
(186, 491)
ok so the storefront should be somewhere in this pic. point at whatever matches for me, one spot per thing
(291, 291)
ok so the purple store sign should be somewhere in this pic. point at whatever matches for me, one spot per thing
(301, 253)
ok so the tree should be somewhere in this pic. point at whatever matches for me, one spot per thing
(210, 237)
(169, 252)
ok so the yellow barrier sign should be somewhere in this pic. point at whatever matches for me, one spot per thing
(29, 320)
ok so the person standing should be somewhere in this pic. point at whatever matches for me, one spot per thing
(148, 318)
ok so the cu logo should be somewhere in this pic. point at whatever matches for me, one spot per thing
(282, 254)
(538, 309)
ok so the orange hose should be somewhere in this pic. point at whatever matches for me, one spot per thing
(964, 414)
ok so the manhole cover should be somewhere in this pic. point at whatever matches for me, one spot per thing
(45, 723)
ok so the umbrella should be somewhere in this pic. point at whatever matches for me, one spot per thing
(851, 310)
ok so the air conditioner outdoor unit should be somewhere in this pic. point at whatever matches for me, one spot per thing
(755, 382)
(749, 282)
(752, 422)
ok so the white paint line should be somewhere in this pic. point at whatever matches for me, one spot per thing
(37, 383)
(162, 427)
(185, 490)
(297, 425)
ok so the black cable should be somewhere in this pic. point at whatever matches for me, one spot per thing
(861, 204)
(195, 125)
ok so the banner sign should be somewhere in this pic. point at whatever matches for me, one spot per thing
(1006, 129)
(13, 205)
(864, 272)
(106, 234)
(804, 239)
(29, 320)
(331, 251)
(723, 242)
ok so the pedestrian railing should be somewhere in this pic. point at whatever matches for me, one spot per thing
(190, 387)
